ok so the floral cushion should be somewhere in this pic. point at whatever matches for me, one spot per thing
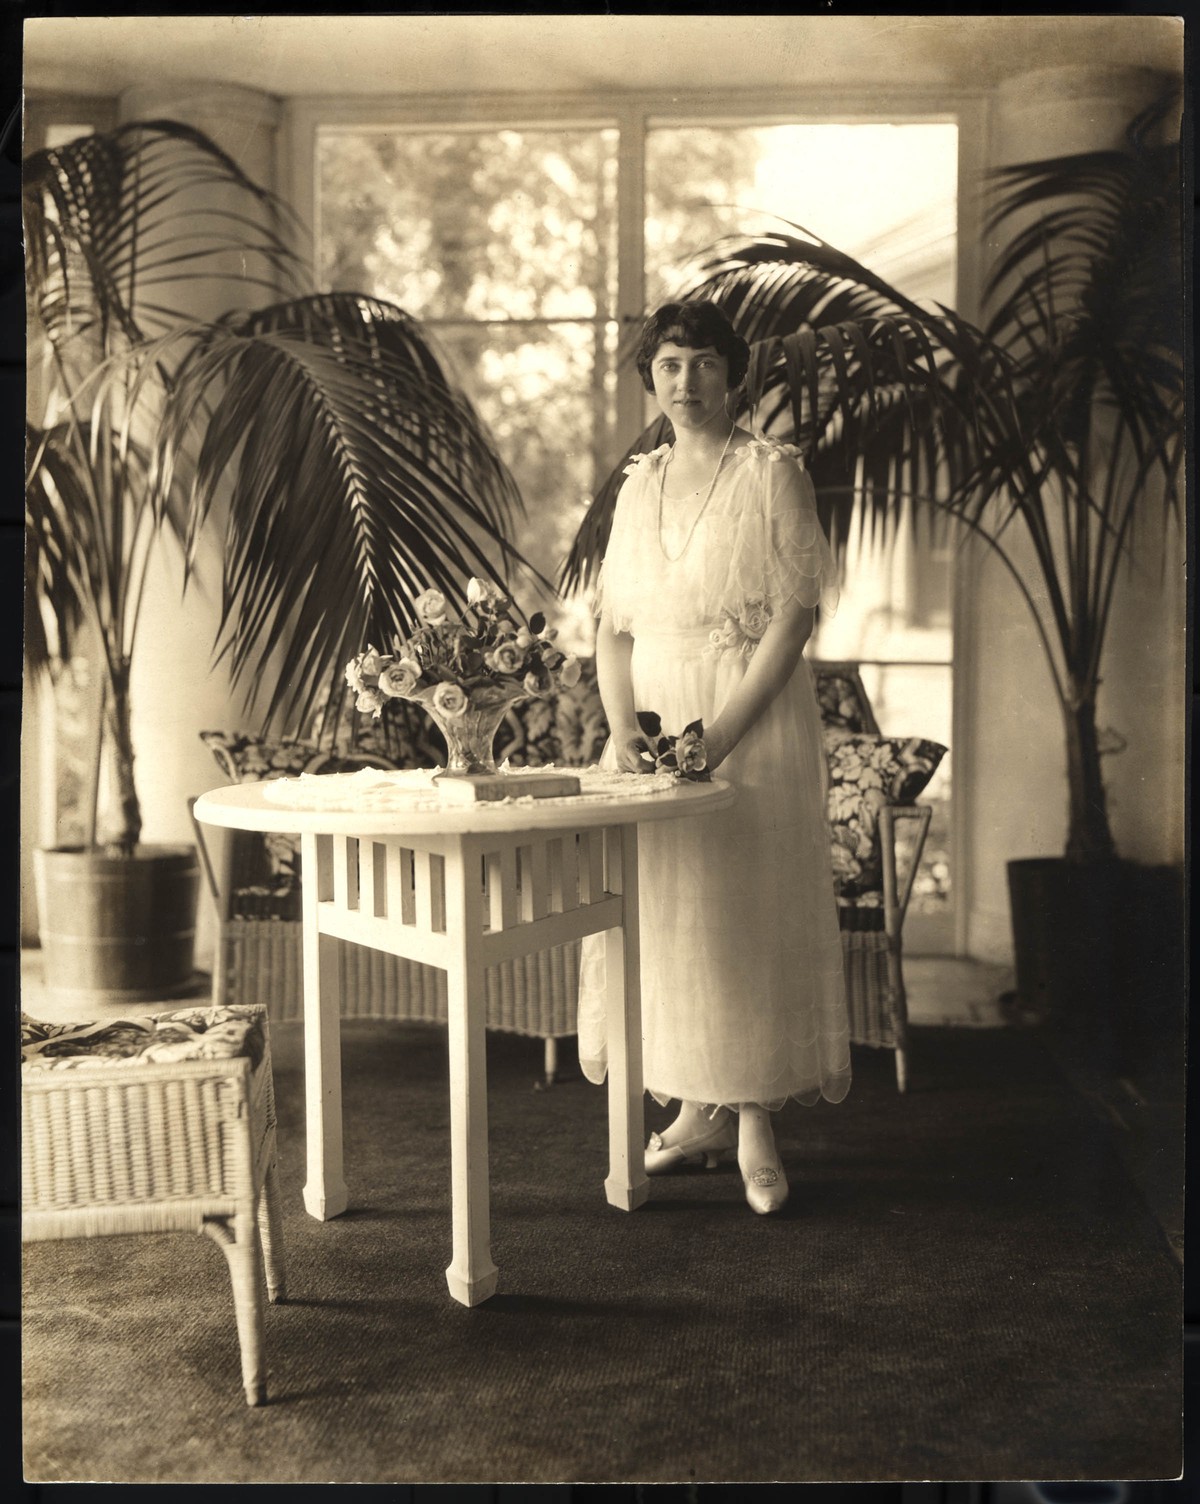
(402, 737)
(865, 773)
(246, 758)
(567, 728)
(269, 887)
(842, 700)
(189, 1034)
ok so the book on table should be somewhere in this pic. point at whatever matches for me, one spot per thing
(482, 788)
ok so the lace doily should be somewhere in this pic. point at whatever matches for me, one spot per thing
(412, 790)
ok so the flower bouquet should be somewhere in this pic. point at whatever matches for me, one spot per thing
(682, 756)
(465, 671)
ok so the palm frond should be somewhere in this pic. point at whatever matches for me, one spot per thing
(106, 215)
(359, 476)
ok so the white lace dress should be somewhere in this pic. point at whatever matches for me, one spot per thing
(743, 996)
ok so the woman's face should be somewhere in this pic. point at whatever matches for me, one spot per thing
(690, 386)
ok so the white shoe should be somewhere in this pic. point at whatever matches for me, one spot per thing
(716, 1144)
(766, 1188)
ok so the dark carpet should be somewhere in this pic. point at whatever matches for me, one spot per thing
(965, 1285)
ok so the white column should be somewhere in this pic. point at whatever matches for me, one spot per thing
(1015, 801)
(176, 691)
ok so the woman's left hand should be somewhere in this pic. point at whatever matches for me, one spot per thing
(716, 747)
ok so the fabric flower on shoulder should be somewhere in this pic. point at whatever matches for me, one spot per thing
(763, 447)
(742, 627)
(646, 461)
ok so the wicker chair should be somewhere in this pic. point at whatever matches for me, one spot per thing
(159, 1124)
(255, 880)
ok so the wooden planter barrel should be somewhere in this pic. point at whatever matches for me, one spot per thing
(117, 929)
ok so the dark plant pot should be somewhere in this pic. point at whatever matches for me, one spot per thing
(1098, 952)
(117, 929)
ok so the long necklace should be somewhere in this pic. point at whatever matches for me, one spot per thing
(662, 478)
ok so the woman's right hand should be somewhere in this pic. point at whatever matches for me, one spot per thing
(632, 753)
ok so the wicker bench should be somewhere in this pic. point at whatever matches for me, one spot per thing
(874, 783)
(159, 1124)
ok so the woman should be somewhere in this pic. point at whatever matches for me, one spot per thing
(714, 566)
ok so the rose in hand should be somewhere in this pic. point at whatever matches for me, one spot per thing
(690, 755)
(682, 756)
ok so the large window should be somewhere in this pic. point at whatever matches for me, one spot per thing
(503, 242)
(530, 252)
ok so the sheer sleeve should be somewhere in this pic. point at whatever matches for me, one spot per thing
(781, 553)
(607, 596)
(799, 564)
(624, 585)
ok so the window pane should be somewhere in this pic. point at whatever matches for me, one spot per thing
(62, 134)
(543, 390)
(495, 224)
(886, 194)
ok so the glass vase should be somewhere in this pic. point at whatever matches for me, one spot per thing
(470, 737)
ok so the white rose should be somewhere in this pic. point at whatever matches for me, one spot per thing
(484, 593)
(532, 683)
(372, 663)
(506, 658)
(431, 607)
(690, 754)
(450, 699)
(400, 678)
(369, 700)
(569, 671)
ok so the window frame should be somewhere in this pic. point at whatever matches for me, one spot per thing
(633, 115)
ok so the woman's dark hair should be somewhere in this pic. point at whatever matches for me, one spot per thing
(693, 325)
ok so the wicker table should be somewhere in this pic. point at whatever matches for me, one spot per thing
(462, 887)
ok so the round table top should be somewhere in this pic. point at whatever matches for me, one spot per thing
(414, 808)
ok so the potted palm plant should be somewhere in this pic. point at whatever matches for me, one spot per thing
(319, 435)
(1047, 433)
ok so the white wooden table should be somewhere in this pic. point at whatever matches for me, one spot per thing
(462, 887)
